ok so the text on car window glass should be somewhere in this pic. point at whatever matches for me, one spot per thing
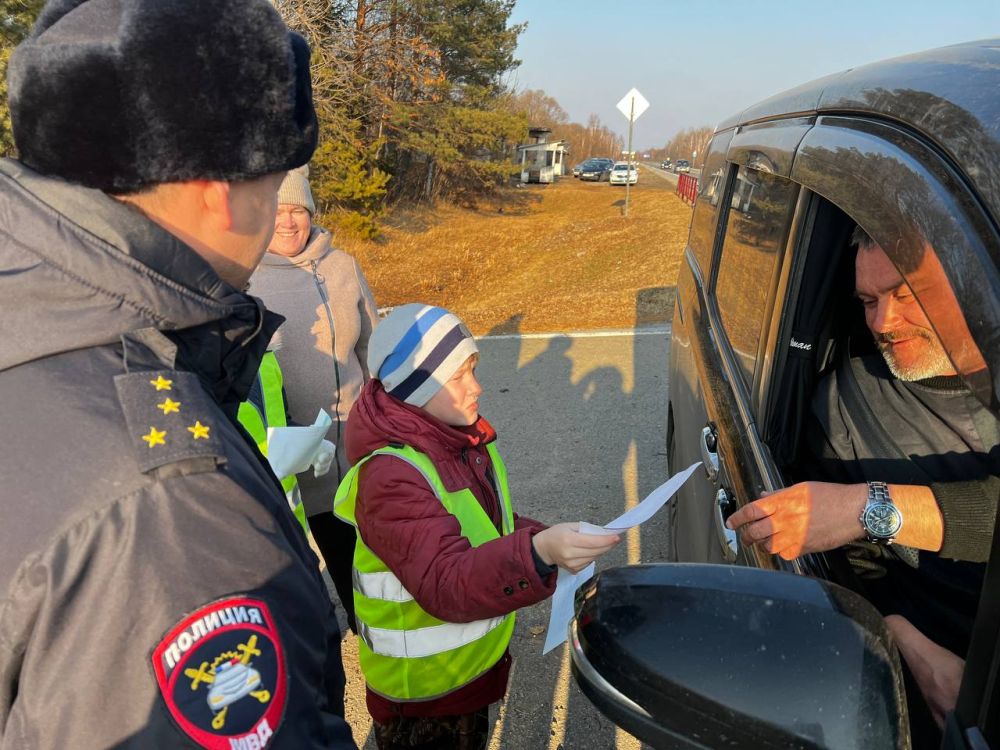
(760, 207)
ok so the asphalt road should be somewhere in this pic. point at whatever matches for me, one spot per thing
(667, 174)
(581, 421)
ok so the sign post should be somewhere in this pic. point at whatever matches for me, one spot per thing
(632, 105)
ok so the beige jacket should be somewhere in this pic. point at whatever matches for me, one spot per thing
(327, 303)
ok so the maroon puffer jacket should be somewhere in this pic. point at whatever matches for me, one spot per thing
(403, 522)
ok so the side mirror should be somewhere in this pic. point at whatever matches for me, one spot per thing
(687, 655)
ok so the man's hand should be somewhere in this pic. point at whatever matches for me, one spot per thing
(565, 546)
(937, 670)
(806, 517)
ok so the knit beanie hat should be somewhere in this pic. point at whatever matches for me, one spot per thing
(295, 190)
(416, 349)
(120, 95)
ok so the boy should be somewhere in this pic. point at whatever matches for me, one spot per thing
(442, 562)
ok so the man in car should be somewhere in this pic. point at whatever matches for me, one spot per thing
(933, 498)
(155, 589)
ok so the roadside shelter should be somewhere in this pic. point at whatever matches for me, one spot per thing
(542, 160)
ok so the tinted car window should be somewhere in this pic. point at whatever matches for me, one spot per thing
(760, 208)
(706, 210)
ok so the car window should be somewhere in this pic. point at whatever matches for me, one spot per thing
(706, 210)
(928, 225)
(761, 207)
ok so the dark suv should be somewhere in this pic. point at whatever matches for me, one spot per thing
(595, 170)
(768, 653)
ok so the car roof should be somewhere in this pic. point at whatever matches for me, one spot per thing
(949, 95)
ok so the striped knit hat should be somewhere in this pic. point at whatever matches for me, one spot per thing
(416, 349)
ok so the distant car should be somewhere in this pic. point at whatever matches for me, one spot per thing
(577, 168)
(666, 164)
(595, 170)
(682, 165)
(624, 174)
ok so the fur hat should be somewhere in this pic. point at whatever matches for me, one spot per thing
(120, 95)
(295, 190)
(416, 349)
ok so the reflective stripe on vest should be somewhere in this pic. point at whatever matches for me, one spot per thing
(380, 586)
(427, 641)
(271, 382)
(407, 654)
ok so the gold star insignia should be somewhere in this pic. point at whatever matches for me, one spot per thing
(155, 437)
(161, 383)
(169, 406)
(199, 430)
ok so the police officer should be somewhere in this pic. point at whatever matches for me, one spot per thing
(155, 589)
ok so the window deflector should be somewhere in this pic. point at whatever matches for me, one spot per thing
(933, 229)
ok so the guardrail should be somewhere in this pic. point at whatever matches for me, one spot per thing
(687, 187)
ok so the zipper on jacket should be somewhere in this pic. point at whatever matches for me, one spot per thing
(319, 281)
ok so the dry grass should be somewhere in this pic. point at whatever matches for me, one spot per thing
(546, 258)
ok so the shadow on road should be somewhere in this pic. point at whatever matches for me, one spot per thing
(581, 424)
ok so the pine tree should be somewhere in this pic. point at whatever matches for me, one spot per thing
(16, 19)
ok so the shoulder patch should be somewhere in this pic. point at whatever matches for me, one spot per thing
(222, 673)
(169, 417)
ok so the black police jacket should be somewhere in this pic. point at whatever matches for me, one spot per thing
(155, 589)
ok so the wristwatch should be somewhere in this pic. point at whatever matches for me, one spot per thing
(881, 519)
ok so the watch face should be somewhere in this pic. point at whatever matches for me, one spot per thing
(882, 520)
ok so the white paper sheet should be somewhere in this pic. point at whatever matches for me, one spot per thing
(290, 450)
(567, 583)
(562, 605)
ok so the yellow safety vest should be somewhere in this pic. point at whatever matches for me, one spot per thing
(271, 382)
(407, 654)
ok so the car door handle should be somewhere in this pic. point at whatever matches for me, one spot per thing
(709, 455)
(728, 540)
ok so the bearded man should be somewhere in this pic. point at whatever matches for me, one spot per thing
(912, 460)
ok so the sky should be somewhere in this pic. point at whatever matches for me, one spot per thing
(699, 61)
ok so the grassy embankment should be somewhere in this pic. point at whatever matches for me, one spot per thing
(541, 258)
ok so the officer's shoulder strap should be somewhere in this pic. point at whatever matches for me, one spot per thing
(170, 419)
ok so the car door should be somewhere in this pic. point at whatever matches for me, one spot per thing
(721, 355)
(697, 381)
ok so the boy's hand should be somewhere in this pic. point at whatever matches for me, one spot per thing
(565, 546)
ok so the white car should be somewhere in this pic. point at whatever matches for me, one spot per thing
(623, 174)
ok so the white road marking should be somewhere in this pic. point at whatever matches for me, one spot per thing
(657, 331)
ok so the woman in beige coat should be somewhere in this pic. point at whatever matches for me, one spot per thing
(330, 314)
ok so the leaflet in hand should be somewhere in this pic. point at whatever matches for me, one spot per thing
(291, 450)
(567, 583)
